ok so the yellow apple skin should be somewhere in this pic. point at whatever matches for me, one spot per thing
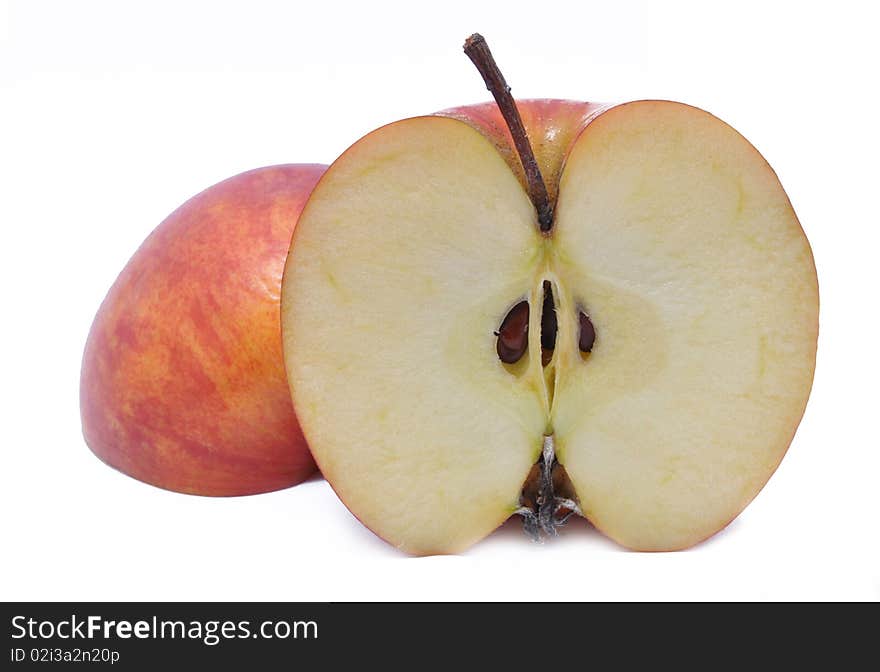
(183, 383)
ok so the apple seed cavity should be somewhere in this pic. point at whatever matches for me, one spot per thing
(548, 325)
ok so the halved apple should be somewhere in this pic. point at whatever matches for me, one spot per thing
(183, 384)
(652, 352)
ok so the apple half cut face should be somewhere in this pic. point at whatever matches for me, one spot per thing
(651, 354)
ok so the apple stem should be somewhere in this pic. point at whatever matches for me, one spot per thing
(478, 51)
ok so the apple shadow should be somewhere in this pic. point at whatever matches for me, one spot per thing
(578, 530)
(718, 537)
(315, 477)
(575, 531)
(350, 521)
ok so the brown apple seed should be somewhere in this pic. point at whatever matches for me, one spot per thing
(588, 333)
(513, 334)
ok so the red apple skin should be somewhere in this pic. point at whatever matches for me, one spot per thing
(183, 383)
(551, 124)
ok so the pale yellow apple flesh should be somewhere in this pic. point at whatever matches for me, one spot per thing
(678, 238)
(671, 232)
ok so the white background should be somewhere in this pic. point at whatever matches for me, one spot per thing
(114, 113)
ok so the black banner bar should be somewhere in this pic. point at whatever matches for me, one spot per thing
(126, 636)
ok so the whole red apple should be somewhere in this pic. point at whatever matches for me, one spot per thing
(183, 383)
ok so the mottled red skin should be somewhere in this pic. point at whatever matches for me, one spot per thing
(183, 383)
